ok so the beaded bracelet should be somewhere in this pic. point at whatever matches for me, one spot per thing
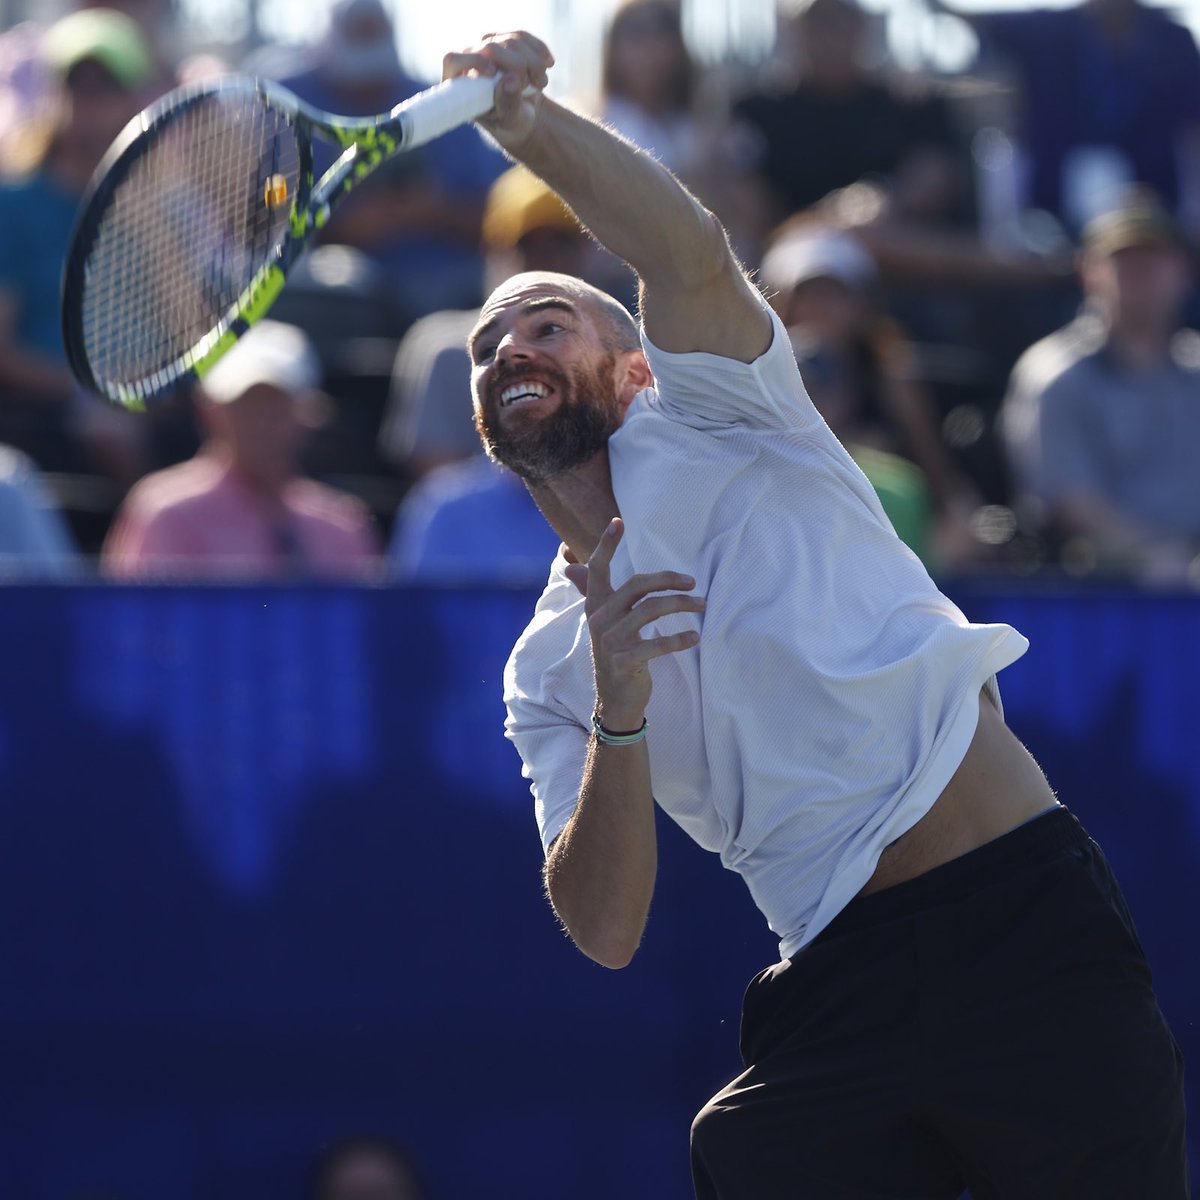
(610, 738)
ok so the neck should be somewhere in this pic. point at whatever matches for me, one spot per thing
(268, 488)
(579, 504)
(1114, 17)
(1139, 348)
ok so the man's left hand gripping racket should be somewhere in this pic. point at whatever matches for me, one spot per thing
(198, 211)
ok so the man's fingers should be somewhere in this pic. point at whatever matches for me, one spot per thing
(649, 648)
(460, 63)
(601, 558)
(652, 610)
(639, 586)
(577, 573)
(522, 58)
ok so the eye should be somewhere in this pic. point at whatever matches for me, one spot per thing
(550, 327)
(482, 354)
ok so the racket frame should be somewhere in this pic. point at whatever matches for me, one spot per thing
(365, 143)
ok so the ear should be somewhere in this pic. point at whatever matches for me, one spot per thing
(632, 376)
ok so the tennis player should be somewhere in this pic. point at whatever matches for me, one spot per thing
(733, 629)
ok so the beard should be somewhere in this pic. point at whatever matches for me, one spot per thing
(540, 448)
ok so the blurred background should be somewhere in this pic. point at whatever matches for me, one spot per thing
(272, 920)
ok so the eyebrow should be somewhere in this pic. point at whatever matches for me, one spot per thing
(534, 306)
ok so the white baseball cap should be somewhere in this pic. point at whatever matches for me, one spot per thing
(270, 352)
(817, 254)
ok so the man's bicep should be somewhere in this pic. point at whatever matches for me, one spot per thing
(723, 315)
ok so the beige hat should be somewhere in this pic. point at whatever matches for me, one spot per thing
(518, 203)
(1139, 220)
(271, 352)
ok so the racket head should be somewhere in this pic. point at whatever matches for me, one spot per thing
(184, 237)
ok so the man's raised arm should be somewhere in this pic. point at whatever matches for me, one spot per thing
(694, 295)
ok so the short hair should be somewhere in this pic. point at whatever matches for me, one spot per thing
(618, 329)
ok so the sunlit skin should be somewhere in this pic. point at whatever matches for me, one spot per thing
(537, 332)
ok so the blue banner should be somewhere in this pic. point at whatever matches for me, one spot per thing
(269, 876)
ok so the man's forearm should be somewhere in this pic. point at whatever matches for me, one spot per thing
(600, 872)
(629, 201)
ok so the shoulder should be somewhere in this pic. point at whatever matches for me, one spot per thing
(174, 489)
(324, 505)
(1185, 354)
(17, 469)
(465, 482)
(711, 391)
(432, 337)
(1066, 351)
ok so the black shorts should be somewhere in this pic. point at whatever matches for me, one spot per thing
(990, 1024)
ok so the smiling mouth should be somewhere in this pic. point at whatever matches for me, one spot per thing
(524, 392)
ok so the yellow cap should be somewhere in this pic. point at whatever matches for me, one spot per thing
(518, 203)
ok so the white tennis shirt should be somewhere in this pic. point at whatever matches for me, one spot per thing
(833, 691)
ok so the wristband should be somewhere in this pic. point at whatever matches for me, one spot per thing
(610, 738)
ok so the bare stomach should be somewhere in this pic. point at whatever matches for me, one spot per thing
(997, 787)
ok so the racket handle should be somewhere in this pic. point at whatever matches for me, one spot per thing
(444, 107)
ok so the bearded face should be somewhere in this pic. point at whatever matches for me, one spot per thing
(537, 444)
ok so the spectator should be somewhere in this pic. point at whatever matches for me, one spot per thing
(418, 216)
(1109, 95)
(101, 73)
(472, 522)
(34, 542)
(526, 227)
(650, 95)
(840, 122)
(364, 1168)
(858, 368)
(240, 507)
(883, 156)
(1102, 418)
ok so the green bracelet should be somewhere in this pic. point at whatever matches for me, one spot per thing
(609, 738)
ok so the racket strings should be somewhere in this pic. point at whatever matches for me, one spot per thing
(199, 214)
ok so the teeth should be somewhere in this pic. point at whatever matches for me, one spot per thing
(519, 391)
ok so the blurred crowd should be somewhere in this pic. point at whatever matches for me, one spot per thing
(988, 280)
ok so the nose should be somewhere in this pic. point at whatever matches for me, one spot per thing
(512, 349)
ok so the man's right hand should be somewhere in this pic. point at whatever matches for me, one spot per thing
(520, 63)
(615, 621)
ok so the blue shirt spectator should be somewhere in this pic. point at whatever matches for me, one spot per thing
(37, 215)
(471, 522)
(34, 542)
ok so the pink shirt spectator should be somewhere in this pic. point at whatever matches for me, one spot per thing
(199, 519)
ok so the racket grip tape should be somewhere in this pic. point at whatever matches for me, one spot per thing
(444, 107)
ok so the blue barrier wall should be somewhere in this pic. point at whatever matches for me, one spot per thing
(269, 875)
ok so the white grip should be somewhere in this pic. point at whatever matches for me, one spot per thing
(447, 105)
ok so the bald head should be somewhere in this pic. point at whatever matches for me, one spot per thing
(616, 327)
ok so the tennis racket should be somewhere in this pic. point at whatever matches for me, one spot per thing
(198, 211)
